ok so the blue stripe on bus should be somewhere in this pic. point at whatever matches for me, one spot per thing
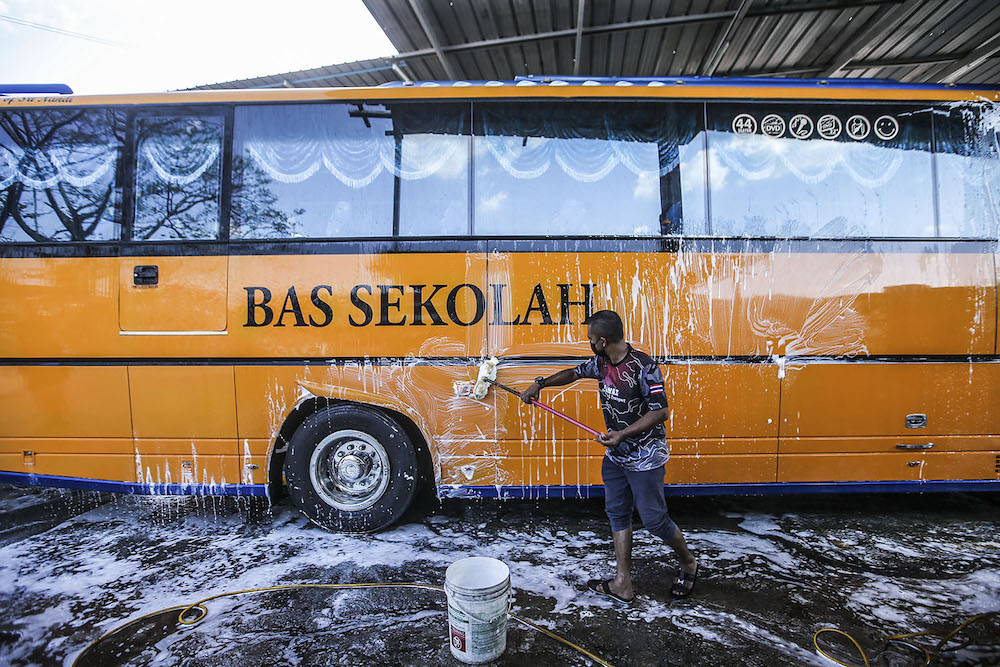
(529, 492)
(158, 489)
(542, 81)
(763, 489)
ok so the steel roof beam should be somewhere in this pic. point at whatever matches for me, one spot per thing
(579, 37)
(873, 29)
(978, 56)
(774, 10)
(722, 42)
(432, 37)
(860, 64)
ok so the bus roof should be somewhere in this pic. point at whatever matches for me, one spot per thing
(541, 87)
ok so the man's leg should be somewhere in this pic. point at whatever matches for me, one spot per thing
(621, 585)
(619, 506)
(687, 559)
(647, 490)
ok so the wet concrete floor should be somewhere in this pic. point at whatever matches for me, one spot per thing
(774, 570)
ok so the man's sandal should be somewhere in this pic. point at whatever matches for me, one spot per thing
(679, 590)
(603, 587)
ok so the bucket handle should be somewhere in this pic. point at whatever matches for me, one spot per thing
(510, 605)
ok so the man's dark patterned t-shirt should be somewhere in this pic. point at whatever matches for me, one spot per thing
(630, 389)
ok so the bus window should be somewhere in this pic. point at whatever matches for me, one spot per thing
(57, 174)
(968, 163)
(823, 172)
(351, 170)
(178, 176)
(574, 169)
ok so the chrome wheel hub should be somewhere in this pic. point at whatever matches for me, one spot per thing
(349, 470)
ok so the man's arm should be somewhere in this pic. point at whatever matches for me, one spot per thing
(563, 377)
(641, 425)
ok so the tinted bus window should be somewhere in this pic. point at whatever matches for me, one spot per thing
(347, 170)
(818, 171)
(57, 174)
(632, 169)
(178, 177)
(968, 163)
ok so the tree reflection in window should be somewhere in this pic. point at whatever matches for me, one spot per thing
(178, 177)
(57, 174)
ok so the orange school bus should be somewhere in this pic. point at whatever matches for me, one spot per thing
(242, 292)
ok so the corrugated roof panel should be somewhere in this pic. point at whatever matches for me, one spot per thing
(799, 54)
(780, 37)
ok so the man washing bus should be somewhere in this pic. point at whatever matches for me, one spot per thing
(635, 407)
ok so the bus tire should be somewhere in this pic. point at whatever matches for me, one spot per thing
(351, 469)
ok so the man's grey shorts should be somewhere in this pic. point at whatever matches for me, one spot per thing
(626, 490)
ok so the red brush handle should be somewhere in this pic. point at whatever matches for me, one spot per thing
(569, 419)
(546, 408)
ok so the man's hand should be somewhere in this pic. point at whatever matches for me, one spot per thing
(610, 439)
(530, 393)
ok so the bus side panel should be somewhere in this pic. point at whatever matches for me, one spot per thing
(184, 423)
(853, 298)
(894, 466)
(59, 307)
(189, 295)
(718, 413)
(673, 303)
(861, 410)
(561, 466)
(358, 306)
(873, 302)
(90, 458)
(453, 425)
(66, 420)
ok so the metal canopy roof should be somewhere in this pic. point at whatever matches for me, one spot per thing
(913, 41)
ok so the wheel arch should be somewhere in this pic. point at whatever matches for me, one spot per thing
(324, 396)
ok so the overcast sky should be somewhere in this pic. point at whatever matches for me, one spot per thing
(164, 45)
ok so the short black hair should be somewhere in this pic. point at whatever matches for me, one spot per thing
(607, 324)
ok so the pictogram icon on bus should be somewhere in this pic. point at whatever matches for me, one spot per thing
(801, 126)
(745, 124)
(886, 127)
(828, 126)
(772, 125)
(858, 127)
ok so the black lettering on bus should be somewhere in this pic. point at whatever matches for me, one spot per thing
(453, 304)
(385, 305)
(321, 305)
(420, 305)
(565, 303)
(361, 305)
(253, 306)
(292, 306)
(498, 305)
(537, 295)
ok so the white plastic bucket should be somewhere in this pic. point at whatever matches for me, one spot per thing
(478, 592)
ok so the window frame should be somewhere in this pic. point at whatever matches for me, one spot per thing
(96, 247)
(130, 245)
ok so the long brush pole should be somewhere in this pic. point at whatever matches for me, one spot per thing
(546, 408)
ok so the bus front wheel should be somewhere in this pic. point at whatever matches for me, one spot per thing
(351, 468)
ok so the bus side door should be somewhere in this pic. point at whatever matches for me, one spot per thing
(173, 299)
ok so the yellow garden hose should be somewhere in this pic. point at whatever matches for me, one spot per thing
(184, 618)
(903, 639)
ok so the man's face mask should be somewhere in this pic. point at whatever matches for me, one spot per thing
(599, 351)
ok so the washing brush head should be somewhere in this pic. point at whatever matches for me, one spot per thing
(487, 371)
